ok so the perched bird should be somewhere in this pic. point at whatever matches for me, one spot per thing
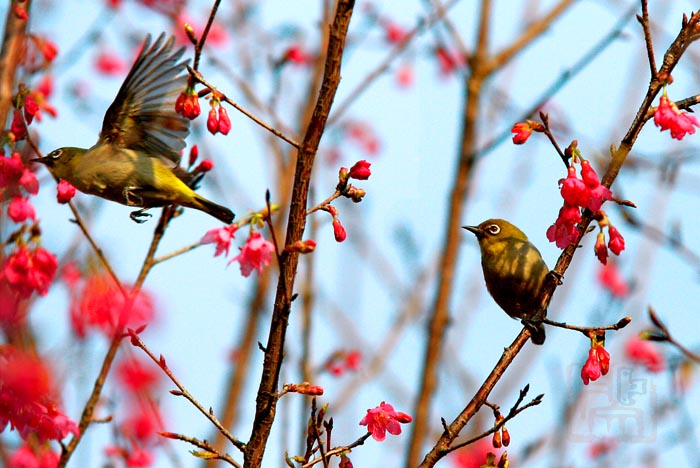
(513, 270)
(136, 160)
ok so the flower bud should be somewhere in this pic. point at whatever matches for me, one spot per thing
(505, 436)
(339, 230)
(302, 247)
(360, 170)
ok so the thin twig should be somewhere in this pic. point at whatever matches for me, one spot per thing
(338, 451)
(200, 43)
(136, 341)
(198, 76)
(514, 411)
(622, 323)
(644, 20)
(212, 453)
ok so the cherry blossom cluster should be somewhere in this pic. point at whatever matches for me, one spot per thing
(359, 171)
(255, 254)
(382, 419)
(28, 402)
(29, 105)
(17, 184)
(598, 362)
(669, 117)
(579, 194)
(97, 302)
(27, 268)
(187, 103)
(140, 422)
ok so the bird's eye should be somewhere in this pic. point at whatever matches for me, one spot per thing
(494, 229)
(55, 154)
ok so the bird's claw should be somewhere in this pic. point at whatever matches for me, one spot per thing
(557, 277)
(138, 215)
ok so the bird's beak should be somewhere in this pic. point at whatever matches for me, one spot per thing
(44, 160)
(474, 230)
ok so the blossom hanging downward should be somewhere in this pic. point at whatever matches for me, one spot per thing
(256, 254)
(669, 117)
(384, 418)
(598, 362)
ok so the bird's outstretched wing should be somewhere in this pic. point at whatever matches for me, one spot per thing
(142, 116)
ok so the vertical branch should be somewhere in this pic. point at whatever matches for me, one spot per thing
(13, 47)
(266, 401)
(439, 313)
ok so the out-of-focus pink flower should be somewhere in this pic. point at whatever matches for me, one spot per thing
(133, 456)
(30, 108)
(601, 447)
(26, 457)
(109, 63)
(297, 55)
(611, 279)
(448, 61)
(29, 182)
(18, 126)
(27, 398)
(138, 375)
(27, 271)
(645, 353)
(142, 423)
(669, 117)
(363, 135)
(21, 209)
(393, 33)
(473, 455)
(405, 75)
(222, 237)
(102, 305)
(383, 419)
(217, 36)
(256, 254)
(65, 191)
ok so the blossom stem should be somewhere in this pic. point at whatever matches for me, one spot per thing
(622, 323)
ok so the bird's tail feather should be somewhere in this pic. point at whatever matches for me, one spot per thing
(221, 213)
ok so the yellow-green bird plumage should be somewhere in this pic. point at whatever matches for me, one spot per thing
(514, 271)
(136, 160)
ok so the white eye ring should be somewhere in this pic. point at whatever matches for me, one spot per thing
(494, 229)
(55, 154)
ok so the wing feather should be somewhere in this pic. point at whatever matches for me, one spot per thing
(142, 117)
